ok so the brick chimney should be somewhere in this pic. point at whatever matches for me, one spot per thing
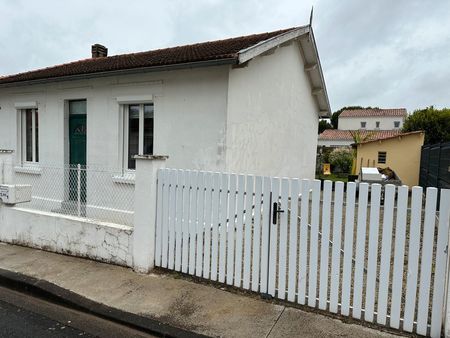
(99, 51)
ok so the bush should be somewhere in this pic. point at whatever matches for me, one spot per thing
(341, 158)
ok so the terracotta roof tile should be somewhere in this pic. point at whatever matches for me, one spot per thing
(393, 136)
(373, 112)
(206, 51)
(345, 135)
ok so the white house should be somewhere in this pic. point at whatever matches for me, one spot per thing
(248, 104)
(377, 123)
(372, 119)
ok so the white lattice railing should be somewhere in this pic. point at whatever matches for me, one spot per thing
(93, 193)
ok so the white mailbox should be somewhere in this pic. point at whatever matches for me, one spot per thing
(15, 193)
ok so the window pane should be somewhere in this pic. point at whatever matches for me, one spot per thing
(36, 126)
(77, 107)
(133, 135)
(148, 129)
(29, 135)
(382, 157)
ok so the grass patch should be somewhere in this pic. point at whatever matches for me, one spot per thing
(333, 177)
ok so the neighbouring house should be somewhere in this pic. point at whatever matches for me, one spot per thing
(372, 119)
(379, 123)
(400, 152)
(249, 104)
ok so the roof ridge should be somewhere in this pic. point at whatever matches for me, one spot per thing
(367, 112)
(375, 108)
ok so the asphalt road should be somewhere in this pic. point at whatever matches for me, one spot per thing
(22, 315)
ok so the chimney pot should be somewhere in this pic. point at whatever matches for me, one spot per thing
(99, 51)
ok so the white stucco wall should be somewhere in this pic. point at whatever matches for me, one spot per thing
(189, 126)
(354, 123)
(272, 117)
(68, 235)
(190, 110)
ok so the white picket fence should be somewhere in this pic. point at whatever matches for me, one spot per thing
(379, 257)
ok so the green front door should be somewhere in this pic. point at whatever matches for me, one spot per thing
(77, 156)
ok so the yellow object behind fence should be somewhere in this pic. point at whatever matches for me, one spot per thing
(326, 169)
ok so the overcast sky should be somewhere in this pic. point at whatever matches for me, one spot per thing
(386, 53)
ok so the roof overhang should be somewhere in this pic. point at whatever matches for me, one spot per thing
(305, 37)
(151, 69)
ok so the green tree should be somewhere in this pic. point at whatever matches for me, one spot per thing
(359, 136)
(323, 124)
(434, 122)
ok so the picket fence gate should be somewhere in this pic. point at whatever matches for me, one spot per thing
(370, 253)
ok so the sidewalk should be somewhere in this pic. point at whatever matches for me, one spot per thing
(174, 302)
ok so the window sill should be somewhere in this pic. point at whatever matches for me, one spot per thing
(32, 170)
(127, 178)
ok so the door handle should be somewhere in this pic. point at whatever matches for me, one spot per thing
(275, 211)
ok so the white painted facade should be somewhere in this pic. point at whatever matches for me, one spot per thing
(258, 119)
(190, 110)
(272, 117)
(385, 122)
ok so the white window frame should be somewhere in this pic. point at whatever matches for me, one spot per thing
(23, 137)
(395, 122)
(365, 124)
(141, 131)
(377, 124)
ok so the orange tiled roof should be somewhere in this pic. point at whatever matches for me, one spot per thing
(373, 112)
(394, 136)
(207, 51)
(345, 135)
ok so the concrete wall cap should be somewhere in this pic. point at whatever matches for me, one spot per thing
(150, 157)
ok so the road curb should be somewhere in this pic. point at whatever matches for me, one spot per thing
(56, 294)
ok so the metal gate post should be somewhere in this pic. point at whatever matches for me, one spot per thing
(79, 190)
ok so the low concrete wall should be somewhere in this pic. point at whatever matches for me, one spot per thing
(105, 242)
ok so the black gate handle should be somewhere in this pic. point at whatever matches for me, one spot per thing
(275, 211)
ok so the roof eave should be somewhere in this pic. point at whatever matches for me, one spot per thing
(261, 47)
(315, 73)
(130, 71)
